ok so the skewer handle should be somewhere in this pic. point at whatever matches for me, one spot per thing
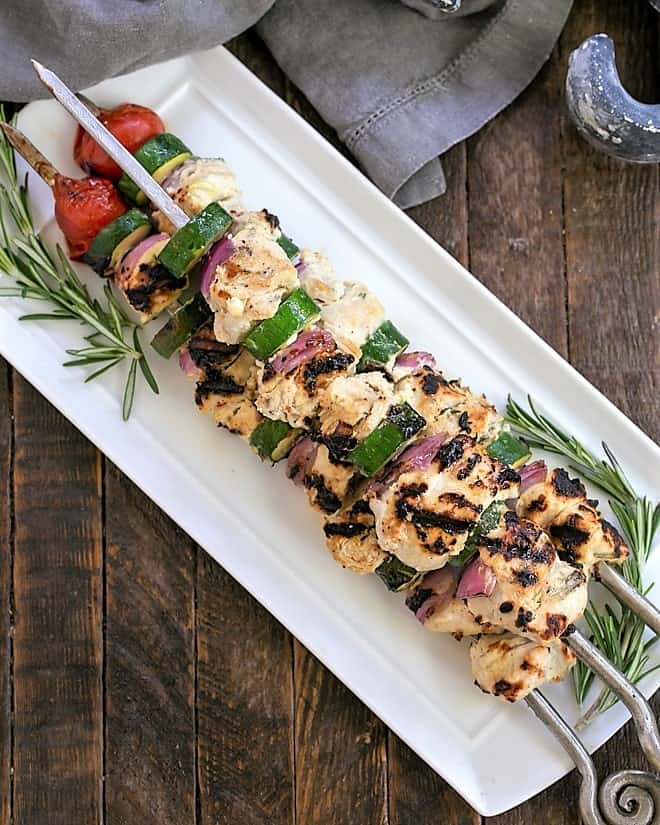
(544, 711)
(627, 595)
(624, 798)
(640, 710)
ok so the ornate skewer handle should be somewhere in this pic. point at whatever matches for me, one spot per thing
(624, 798)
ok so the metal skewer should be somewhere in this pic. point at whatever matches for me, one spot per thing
(627, 595)
(630, 797)
(639, 708)
(122, 157)
(27, 150)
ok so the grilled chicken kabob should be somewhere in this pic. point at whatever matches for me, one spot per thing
(294, 349)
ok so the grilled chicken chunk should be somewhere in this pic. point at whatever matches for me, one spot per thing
(425, 516)
(511, 667)
(295, 396)
(581, 536)
(319, 279)
(250, 285)
(354, 405)
(349, 311)
(226, 383)
(449, 407)
(147, 285)
(537, 595)
(195, 184)
(351, 538)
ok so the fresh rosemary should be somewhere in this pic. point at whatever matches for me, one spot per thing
(617, 632)
(39, 275)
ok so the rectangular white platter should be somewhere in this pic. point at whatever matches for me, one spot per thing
(245, 514)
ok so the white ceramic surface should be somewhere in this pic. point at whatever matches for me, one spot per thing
(246, 515)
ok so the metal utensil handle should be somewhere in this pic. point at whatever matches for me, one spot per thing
(156, 194)
(544, 711)
(624, 798)
(627, 595)
(640, 710)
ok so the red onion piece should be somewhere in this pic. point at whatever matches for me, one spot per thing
(478, 579)
(187, 364)
(416, 457)
(301, 266)
(173, 181)
(414, 360)
(301, 459)
(307, 345)
(442, 583)
(220, 252)
(132, 258)
(531, 474)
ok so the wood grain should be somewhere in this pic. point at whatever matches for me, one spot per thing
(245, 705)
(613, 233)
(58, 618)
(150, 727)
(6, 572)
(341, 767)
(416, 793)
(613, 260)
(516, 249)
(245, 664)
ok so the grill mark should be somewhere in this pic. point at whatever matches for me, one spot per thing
(325, 498)
(346, 529)
(322, 366)
(567, 486)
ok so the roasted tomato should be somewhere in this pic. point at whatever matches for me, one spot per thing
(131, 124)
(83, 206)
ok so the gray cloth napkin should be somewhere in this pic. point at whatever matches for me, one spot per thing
(399, 84)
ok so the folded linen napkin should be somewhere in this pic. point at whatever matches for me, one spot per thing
(399, 84)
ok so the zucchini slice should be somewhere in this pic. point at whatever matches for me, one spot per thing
(488, 521)
(384, 344)
(509, 450)
(274, 439)
(182, 326)
(116, 239)
(160, 156)
(189, 243)
(381, 445)
(288, 246)
(293, 315)
(396, 575)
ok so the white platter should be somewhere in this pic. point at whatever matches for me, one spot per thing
(245, 514)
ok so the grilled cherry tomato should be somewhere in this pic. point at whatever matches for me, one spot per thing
(131, 124)
(83, 206)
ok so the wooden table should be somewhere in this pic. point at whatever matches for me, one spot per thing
(140, 684)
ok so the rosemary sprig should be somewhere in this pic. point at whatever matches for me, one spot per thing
(617, 632)
(39, 275)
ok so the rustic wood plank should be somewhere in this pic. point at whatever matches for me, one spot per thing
(150, 719)
(58, 618)
(516, 249)
(341, 751)
(6, 569)
(515, 207)
(613, 260)
(446, 218)
(245, 664)
(417, 793)
(245, 705)
(612, 233)
(340, 746)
